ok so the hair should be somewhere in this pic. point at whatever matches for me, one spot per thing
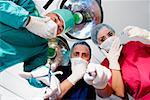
(81, 43)
(97, 29)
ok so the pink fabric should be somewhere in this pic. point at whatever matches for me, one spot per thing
(135, 66)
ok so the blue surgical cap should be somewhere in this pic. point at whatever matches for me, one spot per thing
(81, 43)
(97, 29)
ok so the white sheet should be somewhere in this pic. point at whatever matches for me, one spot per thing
(17, 86)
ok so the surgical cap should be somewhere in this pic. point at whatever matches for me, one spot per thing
(81, 43)
(67, 17)
(97, 29)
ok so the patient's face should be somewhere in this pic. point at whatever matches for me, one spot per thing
(58, 21)
(104, 34)
(81, 51)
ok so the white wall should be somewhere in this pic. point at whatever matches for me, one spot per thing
(120, 13)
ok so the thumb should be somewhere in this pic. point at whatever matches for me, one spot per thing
(87, 76)
(88, 79)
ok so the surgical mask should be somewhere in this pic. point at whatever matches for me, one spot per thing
(106, 45)
(78, 61)
(52, 28)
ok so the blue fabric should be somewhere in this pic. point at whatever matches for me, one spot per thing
(36, 83)
(25, 46)
(80, 94)
(81, 91)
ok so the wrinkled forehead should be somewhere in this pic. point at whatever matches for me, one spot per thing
(81, 48)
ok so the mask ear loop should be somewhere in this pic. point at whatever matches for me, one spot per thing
(102, 49)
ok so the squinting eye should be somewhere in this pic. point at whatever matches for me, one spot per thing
(102, 40)
(76, 54)
(54, 20)
(85, 55)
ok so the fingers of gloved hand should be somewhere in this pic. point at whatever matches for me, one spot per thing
(41, 19)
(25, 75)
(46, 19)
(104, 52)
(52, 25)
(99, 75)
(49, 93)
(43, 27)
(134, 32)
(115, 45)
(40, 71)
(58, 72)
(88, 79)
(53, 66)
(88, 76)
(78, 68)
(54, 82)
(90, 68)
(126, 29)
(54, 87)
(100, 78)
(103, 76)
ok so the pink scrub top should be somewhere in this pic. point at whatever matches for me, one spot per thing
(135, 68)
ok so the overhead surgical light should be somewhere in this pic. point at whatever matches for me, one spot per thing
(87, 13)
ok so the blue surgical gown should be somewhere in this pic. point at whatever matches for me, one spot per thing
(17, 44)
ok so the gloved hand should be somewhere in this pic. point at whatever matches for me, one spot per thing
(43, 27)
(113, 54)
(40, 71)
(45, 79)
(54, 66)
(54, 90)
(78, 68)
(134, 31)
(97, 75)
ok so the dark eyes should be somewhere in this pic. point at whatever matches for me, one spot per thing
(84, 55)
(110, 34)
(103, 39)
(76, 53)
(55, 20)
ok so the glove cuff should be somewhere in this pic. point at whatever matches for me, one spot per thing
(114, 66)
(73, 79)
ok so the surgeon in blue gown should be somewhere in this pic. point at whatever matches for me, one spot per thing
(24, 33)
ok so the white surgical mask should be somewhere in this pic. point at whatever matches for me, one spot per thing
(107, 43)
(77, 61)
(52, 28)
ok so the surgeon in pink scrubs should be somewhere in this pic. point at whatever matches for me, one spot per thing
(133, 61)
